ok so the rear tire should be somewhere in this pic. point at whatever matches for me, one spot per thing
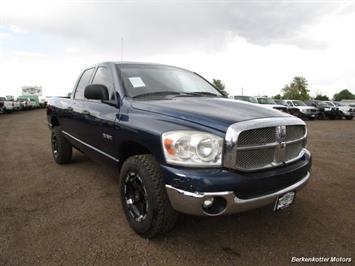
(144, 198)
(62, 150)
(349, 117)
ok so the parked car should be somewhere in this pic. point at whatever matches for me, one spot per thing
(16, 105)
(33, 99)
(250, 99)
(269, 102)
(325, 110)
(2, 104)
(181, 146)
(305, 111)
(290, 109)
(345, 110)
(25, 103)
(6, 106)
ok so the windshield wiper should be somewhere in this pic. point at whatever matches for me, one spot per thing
(163, 93)
(202, 93)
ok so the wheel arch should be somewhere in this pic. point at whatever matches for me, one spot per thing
(54, 121)
(131, 148)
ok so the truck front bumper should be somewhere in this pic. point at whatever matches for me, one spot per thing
(309, 115)
(227, 201)
(190, 190)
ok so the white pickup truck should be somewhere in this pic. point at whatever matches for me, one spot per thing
(16, 104)
(346, 111)
(6, 106)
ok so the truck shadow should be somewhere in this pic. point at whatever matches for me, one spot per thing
(236, 235)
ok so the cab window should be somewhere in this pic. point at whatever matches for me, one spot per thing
(83, 82)
(104, 77)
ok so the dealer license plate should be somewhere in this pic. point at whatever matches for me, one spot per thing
(284, 201)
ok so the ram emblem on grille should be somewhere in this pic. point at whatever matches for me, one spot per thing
(280, 133)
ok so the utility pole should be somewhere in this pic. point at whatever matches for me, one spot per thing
(242, 91)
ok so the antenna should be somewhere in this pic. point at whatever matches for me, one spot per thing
(121, 48)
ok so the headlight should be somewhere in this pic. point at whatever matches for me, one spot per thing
(192, 148)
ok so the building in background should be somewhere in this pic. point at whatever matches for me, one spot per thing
(32, 90)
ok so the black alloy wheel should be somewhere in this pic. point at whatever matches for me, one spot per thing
(136, 197)
(54, 146)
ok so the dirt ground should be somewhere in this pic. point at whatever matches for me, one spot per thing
(54, 215)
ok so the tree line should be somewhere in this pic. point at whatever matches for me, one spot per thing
(296, 90)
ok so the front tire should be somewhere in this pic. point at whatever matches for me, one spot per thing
(62, 150)
(349, 117)
(144, 198)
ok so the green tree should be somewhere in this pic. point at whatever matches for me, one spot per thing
(297, 89)
(277, 96)
(344, 94)
(220, 86)
(321, 97)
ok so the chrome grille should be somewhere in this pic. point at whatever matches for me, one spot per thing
(295, 132)
(252, 146)
(293, 150)
(257, 136)
(255, 158)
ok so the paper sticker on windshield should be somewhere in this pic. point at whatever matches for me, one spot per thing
(136, 82)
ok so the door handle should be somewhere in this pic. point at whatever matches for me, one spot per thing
(86, 112)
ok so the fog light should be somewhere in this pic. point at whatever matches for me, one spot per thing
(208, 203)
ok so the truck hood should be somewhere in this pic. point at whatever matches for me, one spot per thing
(217, 113)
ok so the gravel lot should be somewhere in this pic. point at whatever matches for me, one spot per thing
(52, 215)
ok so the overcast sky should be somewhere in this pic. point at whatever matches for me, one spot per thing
(256, 45)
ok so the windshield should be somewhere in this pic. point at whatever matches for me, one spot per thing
(144, 80)
(299, 103)
(339, 104)
(246, 98)
(266, 101)
(321, 104)
(282, 102)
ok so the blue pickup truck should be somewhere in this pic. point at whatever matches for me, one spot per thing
(178, 144)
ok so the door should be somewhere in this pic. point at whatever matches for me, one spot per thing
(74, 117)
(100, 118)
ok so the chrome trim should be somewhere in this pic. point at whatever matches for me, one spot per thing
(92, 147)
(269, 145)
(191, 202)
(234, 130)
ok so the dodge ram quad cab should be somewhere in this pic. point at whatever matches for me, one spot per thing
(178, 144)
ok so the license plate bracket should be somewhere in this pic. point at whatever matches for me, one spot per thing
(285, 200)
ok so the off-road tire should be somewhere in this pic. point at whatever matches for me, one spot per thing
(63, 151)
(160, 216)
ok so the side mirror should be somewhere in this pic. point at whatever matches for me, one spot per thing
(96, 92)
